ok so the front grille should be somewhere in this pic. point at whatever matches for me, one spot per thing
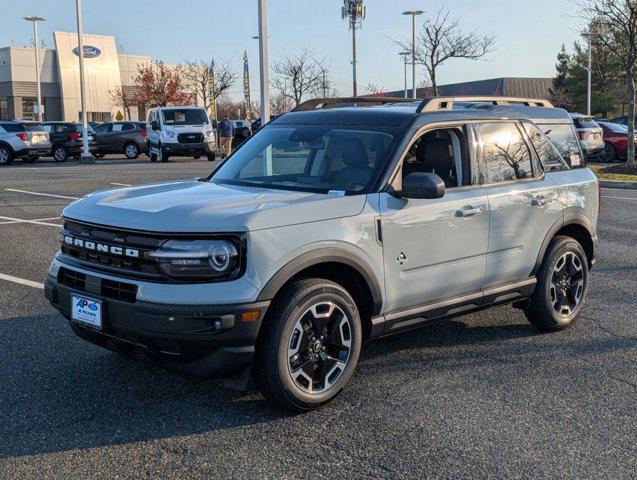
(122, 291)
(190, 137)
(141, 265)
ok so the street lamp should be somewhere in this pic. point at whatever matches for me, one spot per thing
(35, 20)
(589, 79)
(414, 14)
(86, 154)
(264, 81)
(355, 12)
(404, 54)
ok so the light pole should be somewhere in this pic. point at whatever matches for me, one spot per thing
(414, 14)
(35, 20)
(355, 12)
(404, 54)
(264, 80)
(86, 154)
(589, 72)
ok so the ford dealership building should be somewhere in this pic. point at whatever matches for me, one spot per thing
(105, 70)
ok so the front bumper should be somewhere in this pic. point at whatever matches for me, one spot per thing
(202, 340)
(187, 149)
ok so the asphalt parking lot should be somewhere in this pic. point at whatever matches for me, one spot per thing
(481, 396)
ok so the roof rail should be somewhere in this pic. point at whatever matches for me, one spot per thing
(325, 103)
(446, 103)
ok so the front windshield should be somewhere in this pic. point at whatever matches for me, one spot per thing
(186, 116)
(317, 158)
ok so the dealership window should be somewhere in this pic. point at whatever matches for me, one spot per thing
(4, 108)
(28, 108)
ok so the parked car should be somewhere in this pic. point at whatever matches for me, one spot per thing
(182, 131)
(129, 138)
(590, 134)
(623, 120)
(67, 139)
(615, 140)
(242, 131)
(283, 261)
(17, 140)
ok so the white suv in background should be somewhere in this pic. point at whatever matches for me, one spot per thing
(590, 134)
(179, 131)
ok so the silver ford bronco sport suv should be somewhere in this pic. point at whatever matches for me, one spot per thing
(342, 221)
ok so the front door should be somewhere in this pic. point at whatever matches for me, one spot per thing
(435, 249)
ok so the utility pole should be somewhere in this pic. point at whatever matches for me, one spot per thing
(414, 14)
(40, 110)
(403, 55)
(86, 154)
(355, 12)
(264, 80)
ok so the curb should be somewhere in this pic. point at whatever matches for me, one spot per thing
(619, 185)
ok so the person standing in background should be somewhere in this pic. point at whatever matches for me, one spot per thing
(226, 132)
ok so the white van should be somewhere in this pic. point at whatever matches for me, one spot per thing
(179, 131)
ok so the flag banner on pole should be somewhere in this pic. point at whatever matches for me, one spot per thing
(211, 91)
(246, 85)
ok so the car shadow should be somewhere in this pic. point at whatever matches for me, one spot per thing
(60, 393)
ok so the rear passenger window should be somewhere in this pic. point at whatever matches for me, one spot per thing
(548, 155)
(127, 127)
(505, 155)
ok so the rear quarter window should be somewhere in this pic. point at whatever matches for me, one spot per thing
(585, 122)
(12, 127)
(566, 141)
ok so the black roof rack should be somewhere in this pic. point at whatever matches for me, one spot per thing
(432, 104)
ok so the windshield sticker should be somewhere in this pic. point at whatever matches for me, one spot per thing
(337, 193)
(575, 160)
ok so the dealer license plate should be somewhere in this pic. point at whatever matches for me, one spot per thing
(86, 311)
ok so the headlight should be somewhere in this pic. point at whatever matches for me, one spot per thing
(169, 134)
(198, 258)
(209, 133)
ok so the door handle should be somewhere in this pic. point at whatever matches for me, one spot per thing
(468, 211)
(539, 201)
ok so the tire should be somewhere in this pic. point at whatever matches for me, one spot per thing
(610, 154)
(287, 349)
(152, 156)
(60, 154)
(549, 297)
(131, 150)
(6, 156)
(211, 156)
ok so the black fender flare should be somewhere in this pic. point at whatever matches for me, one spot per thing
(571, 218)
(5, 144)
(317, 257)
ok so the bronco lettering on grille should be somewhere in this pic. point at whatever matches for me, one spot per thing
(101, 247)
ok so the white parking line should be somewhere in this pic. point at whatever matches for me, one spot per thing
(21, 281)
(121, 184)
(620, 198)
(40, 194)
(34, 222)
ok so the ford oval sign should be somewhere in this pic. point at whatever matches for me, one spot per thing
(89, 52)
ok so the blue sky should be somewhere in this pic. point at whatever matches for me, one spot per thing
(529, 34)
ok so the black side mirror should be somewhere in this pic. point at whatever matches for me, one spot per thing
(154, 125)
(422, 185)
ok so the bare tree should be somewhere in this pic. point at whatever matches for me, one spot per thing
(279, 104)
(442, 39)
(123, 99)
(618, 19)
(297, 76)
(198, 73)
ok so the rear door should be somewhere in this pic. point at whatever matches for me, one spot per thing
(524, 203)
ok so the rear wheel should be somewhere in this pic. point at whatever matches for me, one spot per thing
(212, 157)
(131, 150)
(610, 154)
(309, 345)
(6, 156)
(561, 288)
(60, 154)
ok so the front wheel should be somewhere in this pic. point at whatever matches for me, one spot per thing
(309, 346)
(6, 156)
(561, 288)
(610, 154)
